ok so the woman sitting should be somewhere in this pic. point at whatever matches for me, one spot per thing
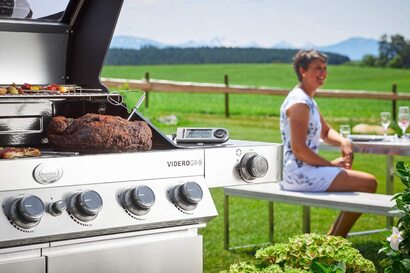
(302, 126)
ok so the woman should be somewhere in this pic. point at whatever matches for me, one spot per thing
(302, 125)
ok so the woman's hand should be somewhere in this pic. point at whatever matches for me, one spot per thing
(347, 153)
(339, 162)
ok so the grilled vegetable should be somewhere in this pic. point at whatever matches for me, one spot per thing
(12, 90)
(26, 86)
(52, 87)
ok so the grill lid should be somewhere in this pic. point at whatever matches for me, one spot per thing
(62, 43)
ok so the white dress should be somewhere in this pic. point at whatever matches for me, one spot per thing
(298, 175)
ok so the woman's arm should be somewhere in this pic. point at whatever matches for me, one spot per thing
(332, 137)
(299, 118)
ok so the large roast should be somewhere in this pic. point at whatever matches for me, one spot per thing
(104, 133)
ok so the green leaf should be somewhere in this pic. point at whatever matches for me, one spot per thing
(317, 267)
(406, 263)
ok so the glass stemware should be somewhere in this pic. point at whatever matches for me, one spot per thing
(385, 121)
(403, 118)
(344, 130)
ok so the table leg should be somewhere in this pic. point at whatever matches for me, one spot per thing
(306, 219)
(271, 222)
(389, 185)
(226, 222)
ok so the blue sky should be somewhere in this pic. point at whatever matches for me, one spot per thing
(265, 22)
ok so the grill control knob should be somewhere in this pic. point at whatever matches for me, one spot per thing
(85, 205)
(26, 212)
(187, 195)
(138, 200)
(253, 166)
(57, 208)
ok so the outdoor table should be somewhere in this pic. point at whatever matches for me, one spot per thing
(389, 146)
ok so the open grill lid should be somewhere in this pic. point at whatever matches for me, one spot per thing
(66, 47)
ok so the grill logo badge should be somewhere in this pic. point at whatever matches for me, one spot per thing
(184, 163)
(46, 173)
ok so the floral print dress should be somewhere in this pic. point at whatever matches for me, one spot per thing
(298, 175)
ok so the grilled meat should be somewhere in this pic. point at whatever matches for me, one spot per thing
(16, 152)
(99, 133)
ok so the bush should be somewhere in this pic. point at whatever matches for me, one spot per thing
(397, 246)
(308, 253)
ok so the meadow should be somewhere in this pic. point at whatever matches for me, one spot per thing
(255, 117)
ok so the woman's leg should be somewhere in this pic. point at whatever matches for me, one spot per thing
(350, 180)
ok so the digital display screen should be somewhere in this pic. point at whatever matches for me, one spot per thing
(198, 133)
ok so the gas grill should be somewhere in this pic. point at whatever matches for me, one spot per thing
(65, 211)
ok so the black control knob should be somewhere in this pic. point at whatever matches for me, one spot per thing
(26, 212)
(138, 200)
(220, 133)
(187, 195)
(57, 208)
(85, 205)
(253, 166)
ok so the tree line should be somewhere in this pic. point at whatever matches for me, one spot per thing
(206, 55)
(394, 51)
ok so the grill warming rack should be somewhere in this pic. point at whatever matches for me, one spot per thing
(71, 91)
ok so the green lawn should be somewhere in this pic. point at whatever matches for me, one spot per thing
(255, 117)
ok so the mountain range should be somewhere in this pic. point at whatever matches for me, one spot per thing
(354, 48)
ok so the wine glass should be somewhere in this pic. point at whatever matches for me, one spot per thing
(344, 130)
(404, 118)
(385, 121)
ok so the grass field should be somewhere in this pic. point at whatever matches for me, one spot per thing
(255, 117)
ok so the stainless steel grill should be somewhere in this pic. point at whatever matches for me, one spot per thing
(100, 212)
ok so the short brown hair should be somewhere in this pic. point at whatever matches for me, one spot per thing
(304, 58)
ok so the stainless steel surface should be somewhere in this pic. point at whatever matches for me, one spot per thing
(35, 265)
(112, 218)
(156, 253)
(38, 58)
(104, 168)
(223, 162)
(22, 123)
(22, 259)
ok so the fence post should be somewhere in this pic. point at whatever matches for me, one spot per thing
(146, 91)
(394, 90)
(226, 80)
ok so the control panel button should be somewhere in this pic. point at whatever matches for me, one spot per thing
(138, 200)
(57, 208)
(187, 195)
(26, 212)
(253, 166)
(86, 205)
(220, 133)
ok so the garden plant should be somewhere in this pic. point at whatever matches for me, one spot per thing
(307, 253)
(397, 246)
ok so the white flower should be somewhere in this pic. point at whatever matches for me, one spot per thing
(395, 239)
